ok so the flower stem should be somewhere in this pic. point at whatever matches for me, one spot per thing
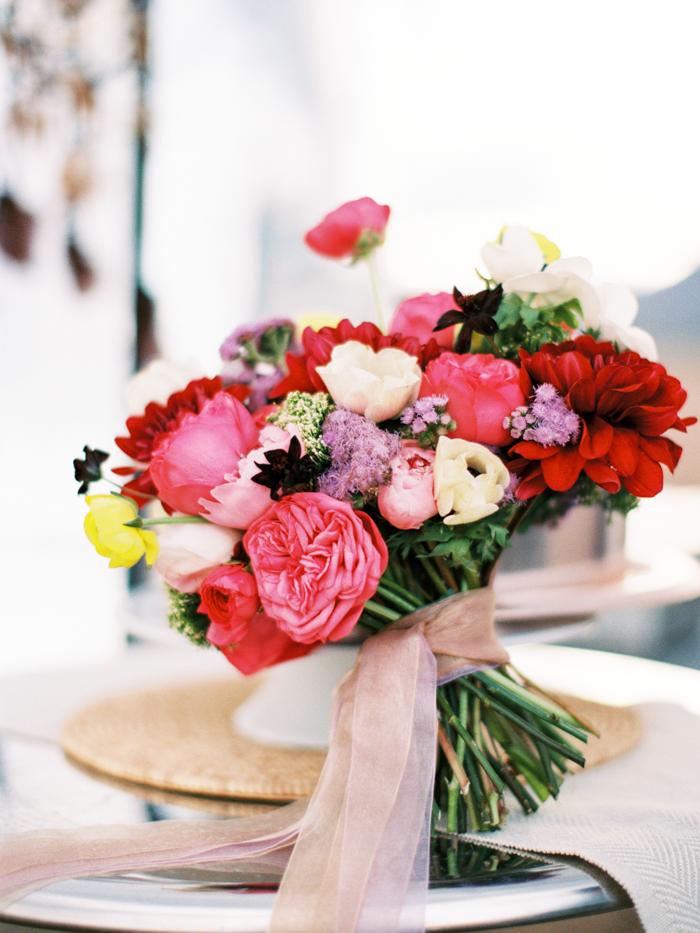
(166, 520)
(374, 282)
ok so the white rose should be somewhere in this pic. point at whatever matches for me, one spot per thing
(190, 551)
(618, 309)
(376, 385)
(157, 381)
(469, 480)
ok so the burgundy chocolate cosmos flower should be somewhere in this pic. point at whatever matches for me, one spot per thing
(319, 345)
(146, 431)
(625, 402)
(353, 229)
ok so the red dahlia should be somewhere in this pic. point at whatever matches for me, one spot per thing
(625, 403)
(318, 346)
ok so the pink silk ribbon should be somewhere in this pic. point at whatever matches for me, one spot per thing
(359, 849)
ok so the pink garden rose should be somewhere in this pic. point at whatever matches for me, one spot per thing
(240, 501)
(264, 645)
(353, 229)
(481, 392)
(192, 460)
(408, 500)
(416, 317)
(316, 562)
(230, 598)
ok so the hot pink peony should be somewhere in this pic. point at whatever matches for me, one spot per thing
(264, 645)
(316, 562)
(192, 460)
(353, 229)
(416, 317)
(481, 392)
(230, 598)
(408, 500)
(240, 501)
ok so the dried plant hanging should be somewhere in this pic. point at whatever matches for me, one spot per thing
(60, 55)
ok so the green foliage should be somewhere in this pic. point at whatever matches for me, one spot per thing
(184, 618)
(550, 507)
(520, 325)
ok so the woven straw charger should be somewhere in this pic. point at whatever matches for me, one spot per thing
(177, 743)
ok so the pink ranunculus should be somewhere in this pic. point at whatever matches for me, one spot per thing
(230, 598)
(240, 501)
(316, 562)
(417, 316)
(198, 456)
(356, 226)
(481, 391)
(264, 645)
(408, 500)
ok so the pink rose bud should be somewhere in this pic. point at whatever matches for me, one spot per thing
(408, 500)
(354, 229)
(417, 316)
(230, 598)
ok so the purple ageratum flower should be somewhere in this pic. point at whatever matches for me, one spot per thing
(360, 454)
(548, 421)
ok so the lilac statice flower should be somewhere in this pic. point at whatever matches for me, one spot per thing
(427, 420)
(360, 454)
(548, 420)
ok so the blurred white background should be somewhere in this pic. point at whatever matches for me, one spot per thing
(578, 120)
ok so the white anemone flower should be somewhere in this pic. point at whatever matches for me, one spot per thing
(561, 281)
(517, 253)
(615, 321)
(376, 385)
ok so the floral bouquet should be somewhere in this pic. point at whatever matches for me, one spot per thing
(363, 478)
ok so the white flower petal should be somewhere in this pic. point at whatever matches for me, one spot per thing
(517, 254)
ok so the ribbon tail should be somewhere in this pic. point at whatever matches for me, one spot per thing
(360, 864)
(34, 859)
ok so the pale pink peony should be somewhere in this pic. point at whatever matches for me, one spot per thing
(481, 391)
(240, 501)
(417, 316)
(189, 552)
(342, 232)
(197, 457)
(408, 500)
(316, 562)
(230, 598)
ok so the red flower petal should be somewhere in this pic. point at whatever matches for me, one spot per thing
(562, 471)
(648, 479)
(602, 475)
(623, 455)
(596, 438)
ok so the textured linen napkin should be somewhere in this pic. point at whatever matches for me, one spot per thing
(636, 817)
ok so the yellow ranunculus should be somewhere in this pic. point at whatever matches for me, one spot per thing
(469, 480)
(105, 526)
